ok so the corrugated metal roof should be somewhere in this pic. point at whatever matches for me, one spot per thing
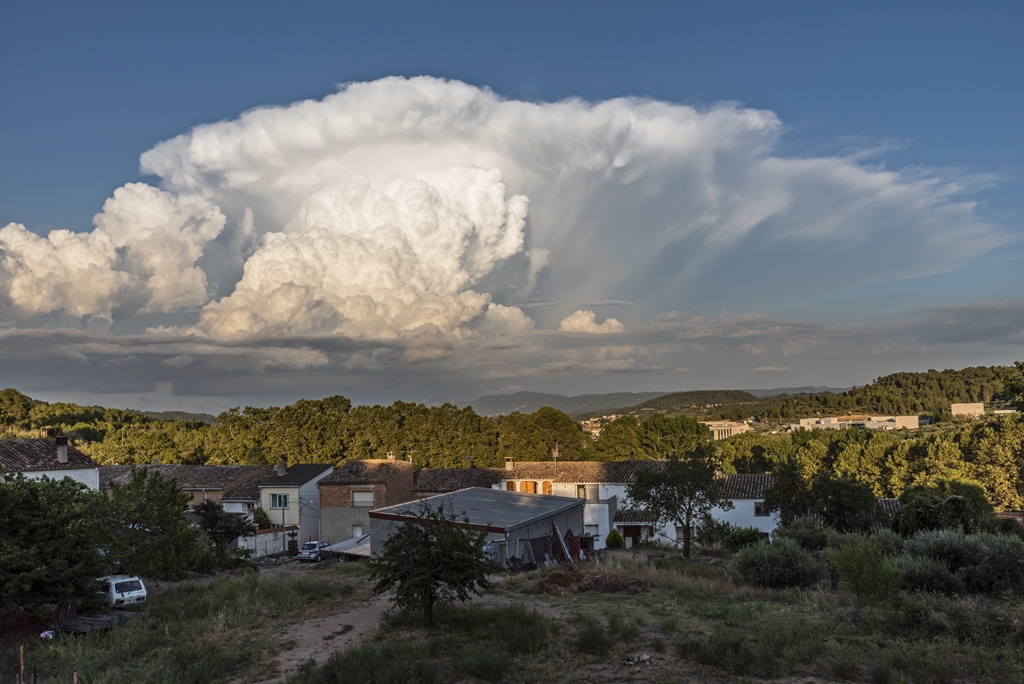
(20, 455)
(188, 476)
(440, 480)
(495, 509)
(367, 471)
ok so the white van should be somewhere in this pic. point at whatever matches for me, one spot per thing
(122, 589)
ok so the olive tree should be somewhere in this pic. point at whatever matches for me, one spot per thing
(683, 492)
(434, 559)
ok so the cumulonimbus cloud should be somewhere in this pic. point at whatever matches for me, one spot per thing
(395, 212)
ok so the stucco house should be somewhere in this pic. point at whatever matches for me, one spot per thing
(49, 456)
(349, 493)
(603, 486)
(291, 497)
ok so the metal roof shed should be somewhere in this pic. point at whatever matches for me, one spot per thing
(509, 517)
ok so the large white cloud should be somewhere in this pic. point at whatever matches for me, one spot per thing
(586, 322)
(379, 265)
(141, 255)
(629, 199)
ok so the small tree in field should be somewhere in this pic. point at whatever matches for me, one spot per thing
(432, 561)
(683, 493)
(865, 571)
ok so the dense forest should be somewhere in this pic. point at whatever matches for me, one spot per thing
(927, 394)
(330, 430)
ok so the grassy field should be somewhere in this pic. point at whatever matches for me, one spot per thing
(615, 620)
(626, 620)
(197, 633)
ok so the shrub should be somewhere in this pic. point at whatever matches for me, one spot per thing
(725, 649)
(888, 542)
(1000, 569)
(740, 537)
(806, 532)
(952, 548)
(777, 565)
(924, 574)
(488, 664)
(865, 571)
(711, 532)
(592, 638)
(614, 540)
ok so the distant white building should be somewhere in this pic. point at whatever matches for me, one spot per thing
(723, 429)
(975, 410)
(49, 456)
(867, 422)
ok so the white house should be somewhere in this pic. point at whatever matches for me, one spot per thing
(49, 456)
(603, 486)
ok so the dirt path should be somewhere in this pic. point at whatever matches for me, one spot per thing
(318, 638)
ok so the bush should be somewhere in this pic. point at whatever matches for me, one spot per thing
(952, 548)
(592, 638)
(888, 542)
(741, 537)
(724, 649)
(865, 571)
(711, 532)
(806, 532)
(777, 565)
(614, 540)
(924, 574)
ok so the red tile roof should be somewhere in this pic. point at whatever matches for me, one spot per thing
(442, 480)
(367, 471)
(188, 476)
(20, 455)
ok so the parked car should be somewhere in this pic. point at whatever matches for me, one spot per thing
(312, 551)
(122, 589)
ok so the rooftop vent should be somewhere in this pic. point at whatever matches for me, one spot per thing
(62, 449)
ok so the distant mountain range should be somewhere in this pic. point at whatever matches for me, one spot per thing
(528, 402)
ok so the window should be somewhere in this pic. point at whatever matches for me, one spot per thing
(362, 499)
(357, 531)
(546, 488)
(761, 510)
(279, 501)
(249, 506)
(528, 487)
(511, 486)
(679, 533)
(592, 530)
(581, 491)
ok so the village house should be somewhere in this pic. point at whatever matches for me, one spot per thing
(291, 498)
(52, 457)
(602, 485)
(349, 493)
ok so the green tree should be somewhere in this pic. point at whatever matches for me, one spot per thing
(844, 504)
(662, 436)
(620, 439)
(865, 571)
(50, 534)
(1013, 384)
(432, 560)
(221, 528)
(946, 504)
(150, 534)
(790, 492)
(683, 492)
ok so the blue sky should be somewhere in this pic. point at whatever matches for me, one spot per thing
(928, 91)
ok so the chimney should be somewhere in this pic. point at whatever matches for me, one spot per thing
(509, 463)
(62, 449)
(156, 460)
(391, 455)
(631, 457)
(282, 466)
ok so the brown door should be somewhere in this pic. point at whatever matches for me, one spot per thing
(633, 532)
